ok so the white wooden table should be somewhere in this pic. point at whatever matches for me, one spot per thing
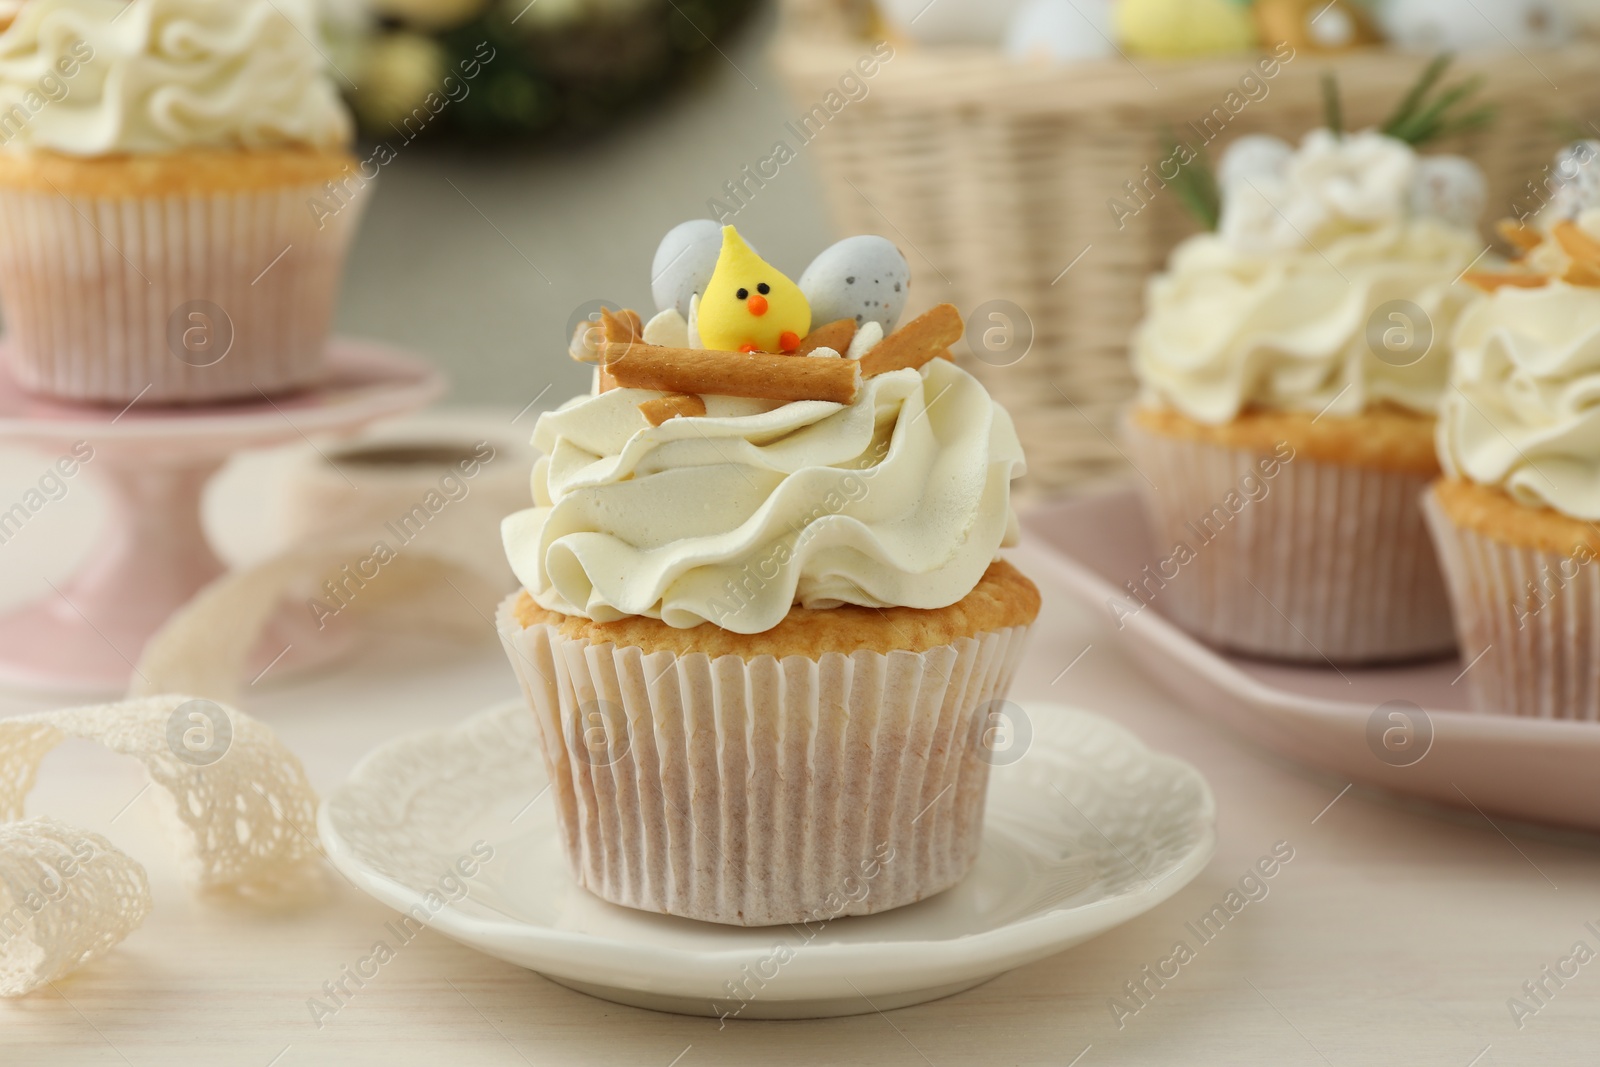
(1395, 936)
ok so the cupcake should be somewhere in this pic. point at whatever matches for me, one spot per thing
(1291, 363)
(176, 198)
(1515, 514)
(764, 627)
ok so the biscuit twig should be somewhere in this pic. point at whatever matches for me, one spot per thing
(926, 337)
(750, 374)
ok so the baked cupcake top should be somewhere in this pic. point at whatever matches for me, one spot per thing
(1523, 413)
(694, 507)
(91, 78)
(1274, 310)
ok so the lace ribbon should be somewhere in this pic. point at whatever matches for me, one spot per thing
(240, 810)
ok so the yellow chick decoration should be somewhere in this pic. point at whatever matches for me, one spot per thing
(748, 306)
(1175, 28)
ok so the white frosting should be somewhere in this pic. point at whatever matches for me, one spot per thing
(1226, 330)
(870, 333)
(1279, 199)
(691, 329)
(1523, 410)
(1274, 309)
(1524, 413)
(667, 328)
(1330, 186)
(901, 498)
(162, 75)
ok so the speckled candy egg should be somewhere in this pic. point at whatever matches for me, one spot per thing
(863, 278)
(948, 21)
(1177, 28)
(1449, 188)
(1474, 25)
(1253, 156)
(684, 261)
(1576, 176)
(1061, 31)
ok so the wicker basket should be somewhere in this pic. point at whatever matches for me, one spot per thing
(994, 177)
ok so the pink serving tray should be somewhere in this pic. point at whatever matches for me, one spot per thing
(1343, 723)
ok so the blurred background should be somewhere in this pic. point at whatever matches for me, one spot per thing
(480, 244)
(1011, 148)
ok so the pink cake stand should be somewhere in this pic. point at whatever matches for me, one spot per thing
(154, 463)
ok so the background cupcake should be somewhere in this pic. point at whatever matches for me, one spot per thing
(763, 643)
(1519, 440)
(176, 198)
(1291, 363)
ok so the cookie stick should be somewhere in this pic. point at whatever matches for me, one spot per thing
(753, 374)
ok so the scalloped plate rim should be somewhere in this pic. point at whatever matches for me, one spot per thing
(602, 960)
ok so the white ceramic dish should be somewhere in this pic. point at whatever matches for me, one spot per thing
(1403, 728)
(1085, 830)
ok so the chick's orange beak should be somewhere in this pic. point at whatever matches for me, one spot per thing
(757, 304)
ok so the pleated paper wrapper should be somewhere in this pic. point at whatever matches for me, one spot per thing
(1529, 623)
(169, 299)
(757, 792)
(1331, 563)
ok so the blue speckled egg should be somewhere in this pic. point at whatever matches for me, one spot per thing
(1255, 157)
(684, 261)
(1061, 31)
(1474, 25)
(1451, 188)
(863, 278)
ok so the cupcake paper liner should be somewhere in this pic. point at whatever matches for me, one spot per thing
(1329, 563)
(109, 298)
(1527, 620)
(764, 791)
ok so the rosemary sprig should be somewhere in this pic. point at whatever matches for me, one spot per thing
(1421, 116)
(1476, 119)
(1196, 186)
(1418, 120)
(1332, 109)
(1408, 103)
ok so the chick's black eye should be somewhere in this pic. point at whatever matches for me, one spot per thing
(763, 288)
(742, 294)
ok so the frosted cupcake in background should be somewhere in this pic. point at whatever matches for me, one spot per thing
(1519, 439)
(160, 161)
(765, 636)
(1291, 363)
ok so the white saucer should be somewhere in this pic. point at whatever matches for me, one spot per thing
(1087, 829)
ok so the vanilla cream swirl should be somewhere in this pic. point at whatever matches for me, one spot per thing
(1228, 329)
(1274, 310)
(900, 498)
(96, 77)
(1523, 413)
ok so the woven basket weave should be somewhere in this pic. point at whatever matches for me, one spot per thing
(995, 176)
